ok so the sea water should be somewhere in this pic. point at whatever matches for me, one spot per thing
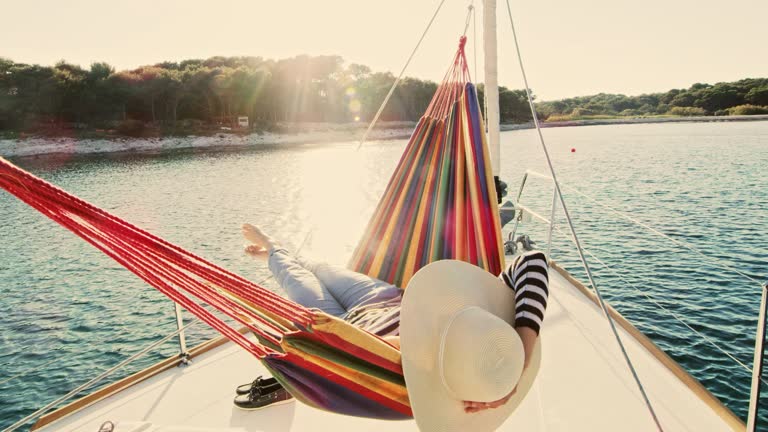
(67, 312)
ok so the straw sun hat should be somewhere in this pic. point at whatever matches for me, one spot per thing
(458, 344)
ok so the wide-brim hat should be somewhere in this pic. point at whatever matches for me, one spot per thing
(458, 343)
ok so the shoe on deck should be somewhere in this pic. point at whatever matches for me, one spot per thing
(259, 398)
(257, 383)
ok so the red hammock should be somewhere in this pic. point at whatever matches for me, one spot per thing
(323, 361)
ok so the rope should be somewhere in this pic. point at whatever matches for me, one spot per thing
(573, 230)
(399, 77)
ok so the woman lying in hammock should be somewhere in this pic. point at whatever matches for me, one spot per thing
(374, 305)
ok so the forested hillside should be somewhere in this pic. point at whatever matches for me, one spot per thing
(213, 92)
(744, 97)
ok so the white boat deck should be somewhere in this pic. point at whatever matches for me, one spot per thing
(583, 385)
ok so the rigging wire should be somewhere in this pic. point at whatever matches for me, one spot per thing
(485, 99)
(474, 36)
(467, 21)
(399, 77)
(573, 230)
(386, 99)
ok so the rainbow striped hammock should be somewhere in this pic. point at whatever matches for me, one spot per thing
(440, 203)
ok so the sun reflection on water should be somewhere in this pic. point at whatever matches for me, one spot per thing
(333, 200)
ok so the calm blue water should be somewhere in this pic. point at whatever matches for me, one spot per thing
(705, 184)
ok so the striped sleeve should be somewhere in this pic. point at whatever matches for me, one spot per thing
(527, 275)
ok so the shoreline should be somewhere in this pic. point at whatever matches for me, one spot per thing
(298, 134)
(637, 120)
(225, 140)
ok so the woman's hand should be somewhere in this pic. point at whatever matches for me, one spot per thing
(528, 337)
(473, 407)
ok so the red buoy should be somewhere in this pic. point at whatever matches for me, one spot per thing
(573, 149)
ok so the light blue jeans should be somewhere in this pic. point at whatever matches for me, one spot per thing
(332, 289)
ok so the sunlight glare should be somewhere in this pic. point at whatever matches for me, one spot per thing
(334, 201)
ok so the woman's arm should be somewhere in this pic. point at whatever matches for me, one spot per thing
(528, 336)
(528, 277)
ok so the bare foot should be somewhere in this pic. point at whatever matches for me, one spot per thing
(257, 237)
(257, 252)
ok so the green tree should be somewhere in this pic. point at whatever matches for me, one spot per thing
(151, 84)
(758, 95)
(717, 97)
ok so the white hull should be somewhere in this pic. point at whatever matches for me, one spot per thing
(583, 385)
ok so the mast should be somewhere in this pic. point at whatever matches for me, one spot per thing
(491, 84)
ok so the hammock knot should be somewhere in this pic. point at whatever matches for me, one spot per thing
(462, 42)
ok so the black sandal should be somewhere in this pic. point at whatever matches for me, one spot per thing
(107, 426)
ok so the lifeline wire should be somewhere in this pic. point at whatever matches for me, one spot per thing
(29, 371)
(573, 230)
(103, 375)
(661, 306)
(713, 260)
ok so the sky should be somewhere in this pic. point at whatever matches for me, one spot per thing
(570, 48)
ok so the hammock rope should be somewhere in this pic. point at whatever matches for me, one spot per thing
(286, 331)
(439, 204)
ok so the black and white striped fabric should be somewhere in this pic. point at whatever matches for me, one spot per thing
(528, 276)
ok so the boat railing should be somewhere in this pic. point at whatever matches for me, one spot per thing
(524, 213)
(183, 353)
(183, 360)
